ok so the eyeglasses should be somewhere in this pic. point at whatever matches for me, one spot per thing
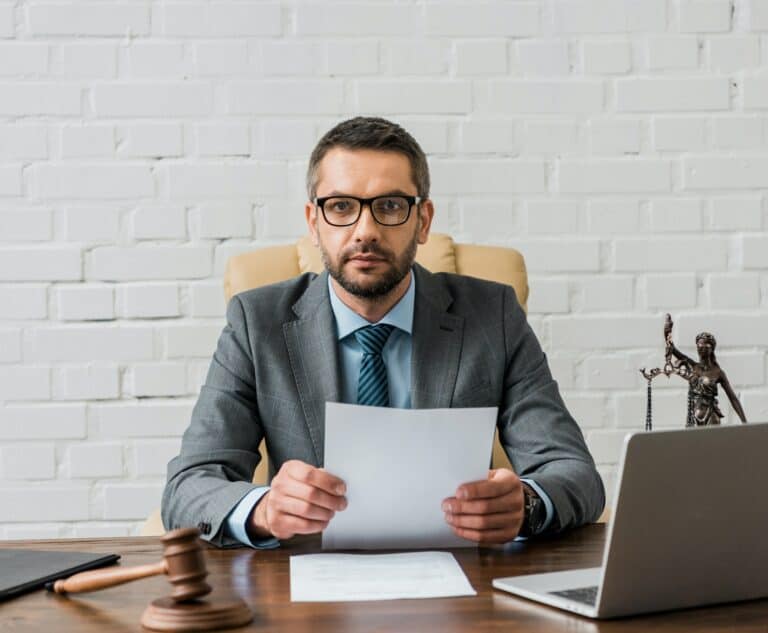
(386, 210)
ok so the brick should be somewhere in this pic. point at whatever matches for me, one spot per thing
(90, 531)
(149, 262)
(737, 214)
(96, 224)
(356, 20)
(95, 460)
(42, 422)
(225, 19)
(731, 54)
(705, 16)
(481, 57)
(552, 137)
(131, 501)
(231, 180)
(549, 296)
(669, 409)
(731, 330)
(206, 299)
(89, 60)
(93, 180)
(622, 136)
(738, 133)
(285, 97)
(601, 332)
(546, 97)
(30, 225)
(417, 57)
(676, 134)
(167, 98)
(614, 176)
(732, 291)
(159, 221)
(610, 16)
(543, 57)
(7, 22)
(487, 176)
(151, 458)
(44, 263)
(757, 13)
(141, 420)
(755, 405)
(10, 345)
(223, 139)
(28, 461)
(603, 294)
(23, 301)
(24, 383)
(90, 343)
(191, 340)
(755, 252)
(289, 57)
(613, 216)
(88, 18)
(94, 381)
(147, 301)
(23, 141)
(745, 369)
(478, 217)
(672, 52)
(158, 379)
(85, 302)
(52, 503)
(665, 292)
(672, 94)
(285, 137)
(755, 92)
(156, 59)
(671, 255)
(424, 97)
(610, 372)
(587, 409)
(23, 59)
(150, 140)
(221, 57)
(10, 180)
(359, 57)
(606, 446)
(553, 216)
(606, 57)
(560, 255)
(486, 137)
(725, 172)
(676, 214)
(86, 141)
(223, 220)
(482, 19)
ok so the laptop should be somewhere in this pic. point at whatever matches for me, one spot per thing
(690, 528)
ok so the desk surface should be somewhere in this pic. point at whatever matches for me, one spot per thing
(261, 578)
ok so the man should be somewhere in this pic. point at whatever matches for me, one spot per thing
(375, 328)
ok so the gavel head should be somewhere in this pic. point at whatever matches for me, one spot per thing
(185, 564)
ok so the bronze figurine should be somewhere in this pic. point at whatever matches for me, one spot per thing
(703, 376)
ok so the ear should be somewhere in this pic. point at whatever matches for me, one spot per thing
(426, 213)
(310, 215)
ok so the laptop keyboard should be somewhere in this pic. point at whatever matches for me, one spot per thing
(586, 595)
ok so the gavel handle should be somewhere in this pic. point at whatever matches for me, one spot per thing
(103, 578)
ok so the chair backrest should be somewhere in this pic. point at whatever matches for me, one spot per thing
(440, 254)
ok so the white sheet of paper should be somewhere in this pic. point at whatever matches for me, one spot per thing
(346, 577)
(399, 465)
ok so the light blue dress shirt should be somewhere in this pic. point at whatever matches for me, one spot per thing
(396, 354)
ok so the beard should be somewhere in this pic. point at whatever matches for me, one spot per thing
(378, 288)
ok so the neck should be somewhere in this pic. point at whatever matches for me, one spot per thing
(372, 310)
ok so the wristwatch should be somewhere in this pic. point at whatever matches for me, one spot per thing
(535, 512)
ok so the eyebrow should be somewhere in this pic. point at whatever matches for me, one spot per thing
(391, 192)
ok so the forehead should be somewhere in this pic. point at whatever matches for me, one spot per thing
(364, 172)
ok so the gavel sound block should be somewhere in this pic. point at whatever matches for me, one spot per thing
(184, 564)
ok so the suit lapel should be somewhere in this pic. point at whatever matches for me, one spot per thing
(313, 353)
(437, 339)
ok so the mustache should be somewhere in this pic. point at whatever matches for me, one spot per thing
(366, 249)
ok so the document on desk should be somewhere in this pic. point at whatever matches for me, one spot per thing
(349, 577)
(399, 465)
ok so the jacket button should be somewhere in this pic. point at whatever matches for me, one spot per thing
(204, 527)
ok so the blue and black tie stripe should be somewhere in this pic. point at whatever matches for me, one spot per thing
(372, 388)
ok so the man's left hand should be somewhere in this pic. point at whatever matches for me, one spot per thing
(489, 511)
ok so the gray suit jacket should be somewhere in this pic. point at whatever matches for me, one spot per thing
(276, 365)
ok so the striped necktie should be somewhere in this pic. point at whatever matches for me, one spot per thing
(372, 388)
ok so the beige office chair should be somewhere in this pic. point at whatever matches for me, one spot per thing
(439, 254)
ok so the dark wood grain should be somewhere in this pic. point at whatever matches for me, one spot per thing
(261, 579)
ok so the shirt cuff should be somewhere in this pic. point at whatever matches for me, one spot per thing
(548, 506)
(236, 521)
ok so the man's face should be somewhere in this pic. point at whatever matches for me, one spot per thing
(367, 259)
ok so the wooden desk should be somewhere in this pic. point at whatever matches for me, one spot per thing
(261, 578)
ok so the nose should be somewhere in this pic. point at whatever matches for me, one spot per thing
(367, 229)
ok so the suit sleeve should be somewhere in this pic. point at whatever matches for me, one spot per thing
(543, 441)
(219, 450)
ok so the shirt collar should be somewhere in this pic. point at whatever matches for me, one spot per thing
(400, 315)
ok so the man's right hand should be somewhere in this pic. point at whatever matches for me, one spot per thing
(302, 499)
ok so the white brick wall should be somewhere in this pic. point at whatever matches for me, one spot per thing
(619, 144)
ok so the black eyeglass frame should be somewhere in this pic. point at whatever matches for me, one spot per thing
(411, 200)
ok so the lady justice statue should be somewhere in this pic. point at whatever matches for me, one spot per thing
(703, 376)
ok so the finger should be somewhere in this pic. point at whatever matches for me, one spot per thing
(317, 477)
(499, 520)
(306, 492)
(302, 508)
(286, 525)
(505, 503)
(485, 536)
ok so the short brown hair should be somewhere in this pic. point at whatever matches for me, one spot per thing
(371, 133)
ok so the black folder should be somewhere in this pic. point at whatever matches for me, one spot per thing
(23, 570)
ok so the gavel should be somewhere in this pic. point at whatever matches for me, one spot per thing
(183, 562)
